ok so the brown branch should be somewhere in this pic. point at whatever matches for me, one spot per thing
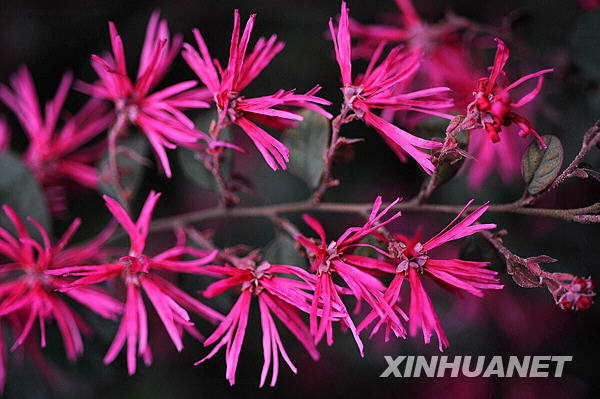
(327, 179)
(271, 211)
(568, 291)
(227, 198)
(113, 166)
(590, 139)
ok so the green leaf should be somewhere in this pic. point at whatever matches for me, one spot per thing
(584, 43)
(307, 143)
(192, 164)
(131, 171)
(282, 251)
(20, 190)
(431, 127)
(192, 161)
(541, 166)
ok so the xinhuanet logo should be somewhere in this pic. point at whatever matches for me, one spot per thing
(475, 366)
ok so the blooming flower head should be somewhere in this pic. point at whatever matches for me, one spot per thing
(446, 62)
(28, 294)
(334, 258)
(445, 58)
(139, 274)
(503, 158)
(158, 114)
(278, 295)
(54, 154)
(226, 85)
(575, 293)
(493, 108)
(410, 259)
(376, 89)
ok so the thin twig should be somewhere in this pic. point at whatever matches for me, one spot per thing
(227, 198)
(590, 139)
(113, 166)
(327, 179)
(271, 211)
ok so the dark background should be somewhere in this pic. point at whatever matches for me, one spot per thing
(50, 37)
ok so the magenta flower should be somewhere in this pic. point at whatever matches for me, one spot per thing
(55, 155)
(29, 294)
(159, 114)
(377, 88)
(277, 295)
(139, 273)
(446, 61)
(503, 157)
(408, 259)
(493, 107)
(576, 294)
(334, 258)
(226, 85)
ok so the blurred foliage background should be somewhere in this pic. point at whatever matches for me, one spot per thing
(51, 37)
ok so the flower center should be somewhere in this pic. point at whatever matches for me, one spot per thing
(351, 94)
(409, 256)
(135, 268)
(258, 273)
(128, 107)
(37, 278)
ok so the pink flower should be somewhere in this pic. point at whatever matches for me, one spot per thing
(575, 293)
(139, 274)
(409, 259)
(446, 61)
(277, 295)
(329, 259)
(493, 107)
(227, 84)
(376, 88)
(28, 294)
(159, 114)
(55, 155)
(503, 157)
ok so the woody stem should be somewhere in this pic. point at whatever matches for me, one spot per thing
(226, 197)
(430, 184)
(113, 166)
(590, 139)
(273, 211)
(327, 179)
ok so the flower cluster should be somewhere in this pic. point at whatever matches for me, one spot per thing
(447, 62)
(577, 295)
(55, 155)
(378, 88)
(28, 291)
(226, 85)
(140, 273)
(159, 114)
(44, 275)
(493, 107)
